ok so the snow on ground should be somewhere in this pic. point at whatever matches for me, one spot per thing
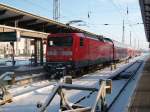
(21, 60)
(18, 62)
(25, 68)
(27, 101)
(4, 62)
(122, 104)
(15, 90)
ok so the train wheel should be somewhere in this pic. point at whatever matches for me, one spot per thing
(86, 70)
(82, 71)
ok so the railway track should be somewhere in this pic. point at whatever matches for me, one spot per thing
(26, 91)
(83, 72)
(128, 74)
(55, 81)
(126, 71)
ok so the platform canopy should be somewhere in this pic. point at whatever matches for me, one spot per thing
(145, 10)
(17, 18)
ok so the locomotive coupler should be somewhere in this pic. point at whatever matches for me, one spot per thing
(61, 71)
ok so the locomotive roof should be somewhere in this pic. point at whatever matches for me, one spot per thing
(100, 37)
(119, 44)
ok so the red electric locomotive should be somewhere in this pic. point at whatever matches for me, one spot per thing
(76, 51)
(73, 51)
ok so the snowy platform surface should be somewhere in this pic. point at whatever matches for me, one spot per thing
(28, 68)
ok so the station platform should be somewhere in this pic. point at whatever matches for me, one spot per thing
(141, 98)
(22, 70)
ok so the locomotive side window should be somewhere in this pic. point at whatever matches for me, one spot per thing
(60, 41)
(81, 41)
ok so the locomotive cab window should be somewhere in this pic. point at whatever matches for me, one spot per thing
(60, 41)
(100, 39)
(51, 43)
(81, 41)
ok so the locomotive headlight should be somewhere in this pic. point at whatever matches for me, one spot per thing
(70, 59)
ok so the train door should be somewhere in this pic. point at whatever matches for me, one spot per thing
(82, 52)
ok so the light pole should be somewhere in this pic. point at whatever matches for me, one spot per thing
(123, 34)
(135, 43)
(130, 39)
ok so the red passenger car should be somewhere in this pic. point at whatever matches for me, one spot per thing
(76, 51)
(120, 51)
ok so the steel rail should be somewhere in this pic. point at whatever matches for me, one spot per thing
(127, 82)
(125, 69)
(112, 77)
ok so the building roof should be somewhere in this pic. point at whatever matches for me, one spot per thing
(145, 10)
(13, 17)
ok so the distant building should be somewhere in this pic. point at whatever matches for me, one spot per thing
(22, 47)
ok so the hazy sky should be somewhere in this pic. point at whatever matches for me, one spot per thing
(101, 12)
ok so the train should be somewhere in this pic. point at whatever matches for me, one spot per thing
(73, 52)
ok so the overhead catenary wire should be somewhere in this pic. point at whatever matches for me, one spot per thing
(35, 4)
(132, 28)
(118, 8)
(29, 4)
(124, 15)
(41, 7)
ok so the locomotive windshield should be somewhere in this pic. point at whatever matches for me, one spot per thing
(60, 41)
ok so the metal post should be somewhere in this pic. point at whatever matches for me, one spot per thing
(113, 65)
(13, 53)
(41, 52)
(13, 56)
(135, 43)
(130, 39)
(35, 51)
(16, 48)
(138, 44)
(56, 10)
(26, 47)
(123, 36)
